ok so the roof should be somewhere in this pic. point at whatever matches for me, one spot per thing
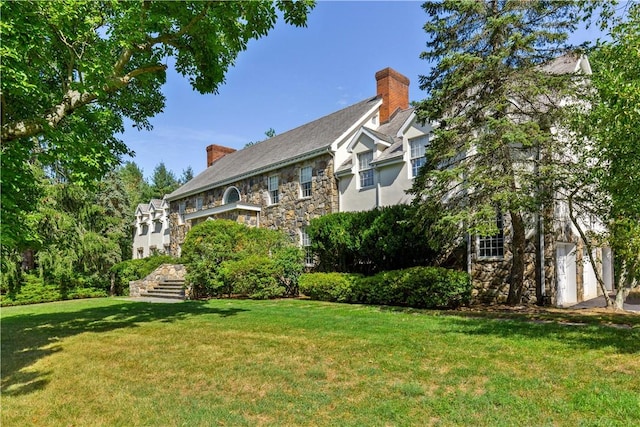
(568, 63)
(387, 132)
(303, 140)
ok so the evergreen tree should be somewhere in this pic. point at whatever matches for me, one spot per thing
(187, 175)
(163, 181)
(493, 102)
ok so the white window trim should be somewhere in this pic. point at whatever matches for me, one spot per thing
(495, 241)
(309, 181)
(274, 192)
(413, 157)
(305, 244)
(368, 169)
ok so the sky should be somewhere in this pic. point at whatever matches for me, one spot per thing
(288, 78)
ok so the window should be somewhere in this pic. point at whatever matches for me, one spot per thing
(199, 203)
(157, 226)
(145, 229)
(305, 242)
(366, 171)
(232, 195)
(140, 253)
(305, 182)
(492, 246)
(273, 190)
(181, 208)
(417, 147)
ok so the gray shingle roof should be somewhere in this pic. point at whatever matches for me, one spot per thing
(303, 140)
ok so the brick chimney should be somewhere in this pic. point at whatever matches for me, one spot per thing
(214, 152)
(393, 87)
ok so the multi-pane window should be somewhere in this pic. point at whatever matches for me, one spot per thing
(366, 171)
(274, 197)
(157, 226)
(492, 246)
(305, 242)
(305, 182)
(417, 147)
(181, 208)
(199, 203)
(232, 195)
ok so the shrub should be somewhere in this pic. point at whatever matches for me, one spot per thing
(224, 258)
(370, 241)
(420, 287)
(253, 276)
(335, 287)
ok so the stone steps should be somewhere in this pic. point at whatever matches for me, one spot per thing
(170, 288)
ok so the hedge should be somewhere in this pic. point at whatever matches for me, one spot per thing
(420, 287)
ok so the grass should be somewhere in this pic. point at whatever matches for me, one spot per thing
(294, 362)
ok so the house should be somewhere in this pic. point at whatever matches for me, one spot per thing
(359, 158)
(151, 229)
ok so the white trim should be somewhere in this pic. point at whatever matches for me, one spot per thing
(221, 209)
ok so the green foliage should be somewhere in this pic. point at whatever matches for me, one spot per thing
(135, 269)
(35, 290)
(163, 181)
(419, 287)
(72, 72)
(226, 258)
(333, 287)
(608, 165)
(253, 276)
(370, 241)
(495, 104)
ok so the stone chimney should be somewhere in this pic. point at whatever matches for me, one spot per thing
(393, 88)
(214, 152)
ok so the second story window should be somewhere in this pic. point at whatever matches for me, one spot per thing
(199, 203)
(417, 147)
(366, 171)
(274, 197)
(305, 182)
(181, 208)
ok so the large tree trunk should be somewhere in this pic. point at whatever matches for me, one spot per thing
(518, 245)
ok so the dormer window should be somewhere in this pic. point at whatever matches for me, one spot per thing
(365, 169)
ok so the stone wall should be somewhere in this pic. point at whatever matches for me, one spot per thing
(290, 214)
(164, 272)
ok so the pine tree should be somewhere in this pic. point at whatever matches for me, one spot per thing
(493, 102)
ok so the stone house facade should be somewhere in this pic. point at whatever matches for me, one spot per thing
(363, 157)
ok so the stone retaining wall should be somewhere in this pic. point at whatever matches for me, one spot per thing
(164, 272)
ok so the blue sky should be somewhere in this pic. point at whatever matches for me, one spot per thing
(288, 78)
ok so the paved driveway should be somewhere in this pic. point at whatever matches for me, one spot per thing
(632, 304)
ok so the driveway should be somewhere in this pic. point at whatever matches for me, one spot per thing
(632, 304)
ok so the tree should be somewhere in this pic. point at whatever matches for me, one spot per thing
(610, 120)
(494, 103)
(187, 175)
(135, 186)
(163, 181)
(71, 71)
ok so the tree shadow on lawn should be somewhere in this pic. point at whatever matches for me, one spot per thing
(30, 337)
(619, 332)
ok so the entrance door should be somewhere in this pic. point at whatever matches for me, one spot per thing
(566, 268)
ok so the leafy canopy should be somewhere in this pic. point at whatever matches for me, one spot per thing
(72, 70)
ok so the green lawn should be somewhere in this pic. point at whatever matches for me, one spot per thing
(294, 362)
